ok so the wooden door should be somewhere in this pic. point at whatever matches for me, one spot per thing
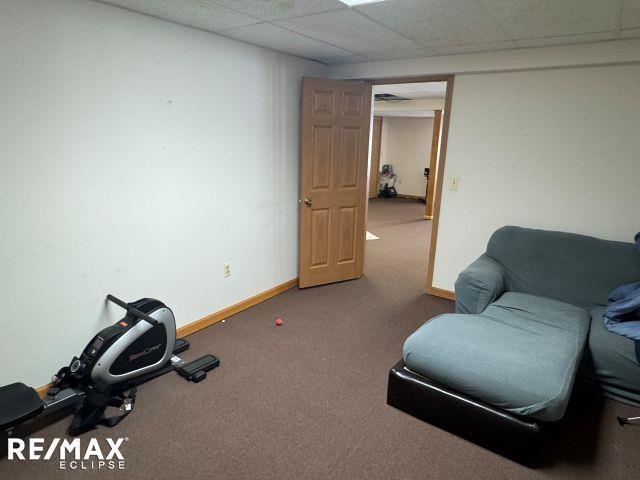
(336, 116)
(374, 170)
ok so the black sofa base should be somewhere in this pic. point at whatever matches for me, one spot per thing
(514, 437)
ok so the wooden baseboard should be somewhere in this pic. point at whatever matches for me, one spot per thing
(411, 197)
(215, 317)
(439, 292)
(204, 322)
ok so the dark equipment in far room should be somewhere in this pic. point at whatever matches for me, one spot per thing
(426, 179)
(139, 347)
(387, 182)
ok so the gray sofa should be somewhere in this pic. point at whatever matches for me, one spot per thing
(528, 323)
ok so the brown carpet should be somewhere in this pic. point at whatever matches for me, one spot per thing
(307, 400)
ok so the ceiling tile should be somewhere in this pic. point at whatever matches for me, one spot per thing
(630, 13)
(203, 14)
(545, 18)
(345, 60)
(438, 88)
(476, 47)
(349, 30)
(330, 32)
(567, 39)
(282, 40)
(394, 89)
(414, 90)
(280, 9)
(386, 55)
(436, 23)
(630, 33)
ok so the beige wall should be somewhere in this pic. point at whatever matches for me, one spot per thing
(537, 145)
(406, 143)
(551, 149)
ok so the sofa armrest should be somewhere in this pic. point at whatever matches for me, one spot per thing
(479, 284)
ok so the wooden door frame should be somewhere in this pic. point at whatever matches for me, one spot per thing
(377, 140)
(433, 165)
(446, 116)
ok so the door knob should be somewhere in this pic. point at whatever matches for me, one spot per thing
(307, 201)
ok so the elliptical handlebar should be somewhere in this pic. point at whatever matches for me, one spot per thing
(132, 310)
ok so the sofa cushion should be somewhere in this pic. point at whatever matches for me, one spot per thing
(609, 365)
(572, 268)
(521, 354)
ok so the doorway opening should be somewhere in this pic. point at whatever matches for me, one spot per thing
(408, 141)
(336, 124)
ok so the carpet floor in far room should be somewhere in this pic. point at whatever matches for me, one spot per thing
(308, 400)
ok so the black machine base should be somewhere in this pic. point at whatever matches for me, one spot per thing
(180, 346)
(19, 402)
(196, 370)
(514, 437)
(118, 358)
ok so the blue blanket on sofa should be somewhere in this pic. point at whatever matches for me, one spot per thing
(622, 315)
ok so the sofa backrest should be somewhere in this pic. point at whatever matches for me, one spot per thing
(572, 268)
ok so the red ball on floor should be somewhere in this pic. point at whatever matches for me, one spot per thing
(278, 322)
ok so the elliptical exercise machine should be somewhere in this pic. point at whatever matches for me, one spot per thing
(139, 347)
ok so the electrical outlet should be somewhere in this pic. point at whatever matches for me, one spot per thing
(226, 269)
(453, 182)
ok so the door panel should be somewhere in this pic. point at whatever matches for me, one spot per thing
(351, 105)
(349, 150)
(323, 102)
(320, 219)
(347, 235)
(322, 141)
(333, 179)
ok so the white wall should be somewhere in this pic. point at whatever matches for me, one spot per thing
(406, 144)
(540, 146)
(136, 156)
(552, 149)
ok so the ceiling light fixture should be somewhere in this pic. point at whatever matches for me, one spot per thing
(354, 3)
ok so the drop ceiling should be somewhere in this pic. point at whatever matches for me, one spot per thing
(413, 91)
(420, 99)
(330, 32)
